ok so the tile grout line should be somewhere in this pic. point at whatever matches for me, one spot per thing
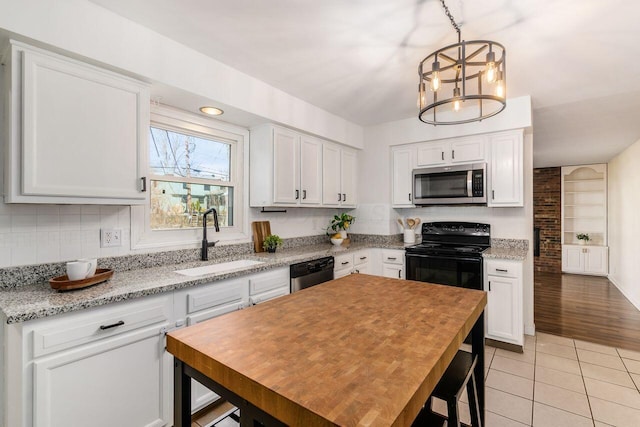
(586, 391)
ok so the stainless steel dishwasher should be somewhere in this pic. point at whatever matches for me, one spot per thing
(306, 274)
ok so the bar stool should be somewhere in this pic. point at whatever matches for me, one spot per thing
(458, 376)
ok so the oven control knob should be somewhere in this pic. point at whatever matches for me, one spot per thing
(461, 228)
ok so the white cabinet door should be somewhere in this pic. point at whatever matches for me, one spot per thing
(78, 132)
(286, 163)
(596, 260)
(470, 149)
(310, 171)
(502, 306)
(505, 305)
(348, 178)
(401, 172)
(506, 173)
(572, 259)
(331, 168)
(393, 271)
(433, 153)
(121, 381)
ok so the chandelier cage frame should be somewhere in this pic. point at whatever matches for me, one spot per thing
(456, 78)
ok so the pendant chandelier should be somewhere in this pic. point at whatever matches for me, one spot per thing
(463, 82)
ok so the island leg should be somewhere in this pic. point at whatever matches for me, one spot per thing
(477, 348)
(181, 395)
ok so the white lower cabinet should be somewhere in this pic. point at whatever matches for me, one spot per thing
(352, 262)
(104, 366)
(504, 311)
(579, 259)
(269, 285)
(393, 263)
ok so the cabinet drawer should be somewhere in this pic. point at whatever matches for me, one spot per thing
(361, 257)
(343, 261)
(266, 281)
(393, 257)
(503, 268)
(214, 312)
(269, 295)
(95, 324)
(224, 292)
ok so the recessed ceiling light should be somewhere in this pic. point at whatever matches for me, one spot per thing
(212, 111)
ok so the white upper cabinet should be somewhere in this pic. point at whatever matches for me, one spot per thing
(506, 183)
(459, 150)
(403, 159)
(339, 176)
(310, 170)
(285, 168)
(288, 168)
(75, 132)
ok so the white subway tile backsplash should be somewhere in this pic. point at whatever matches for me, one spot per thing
(90, 209)
(23, 223)
(48, 222)
(47, 209)
(70, 209)
(70, 222)
(90, 221)
(5, 223)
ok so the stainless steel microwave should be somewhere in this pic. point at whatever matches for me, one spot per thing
(451, 185)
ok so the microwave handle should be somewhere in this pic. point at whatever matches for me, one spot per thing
(469, 183)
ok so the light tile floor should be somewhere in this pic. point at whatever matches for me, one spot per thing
(556, 382)
(560, 382)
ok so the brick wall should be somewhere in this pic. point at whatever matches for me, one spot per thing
(547, 217)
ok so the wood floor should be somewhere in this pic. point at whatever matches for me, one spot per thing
(586, 308)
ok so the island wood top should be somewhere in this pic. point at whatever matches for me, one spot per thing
(360, 350)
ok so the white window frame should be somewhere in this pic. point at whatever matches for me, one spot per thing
(143, 237)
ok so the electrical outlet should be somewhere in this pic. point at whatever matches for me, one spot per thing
(110, 237)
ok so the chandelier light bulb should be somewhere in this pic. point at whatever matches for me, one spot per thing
(435, 77)
(456, 102)
(500, 85)
(422, 96)
(491, 70)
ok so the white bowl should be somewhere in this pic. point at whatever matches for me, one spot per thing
(337, 242)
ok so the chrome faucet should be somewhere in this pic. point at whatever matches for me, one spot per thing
(205, 244)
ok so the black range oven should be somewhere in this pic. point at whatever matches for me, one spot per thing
(450, 254)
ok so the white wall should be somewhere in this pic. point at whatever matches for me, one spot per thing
(624, 227)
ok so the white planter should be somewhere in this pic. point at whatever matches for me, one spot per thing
(343, 234)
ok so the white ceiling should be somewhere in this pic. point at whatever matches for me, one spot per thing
(578, 59)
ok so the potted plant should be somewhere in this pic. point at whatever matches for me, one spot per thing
(271, 242)
(341, 223)
(583, 238)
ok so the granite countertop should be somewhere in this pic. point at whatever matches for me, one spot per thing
(512, 253)
(33, 301)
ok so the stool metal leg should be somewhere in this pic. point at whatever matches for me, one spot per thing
(474, 408)
(452, 412)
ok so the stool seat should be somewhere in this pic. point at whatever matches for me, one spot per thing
(457, 377)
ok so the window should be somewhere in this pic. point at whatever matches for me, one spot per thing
(193, 164)
(189, 174)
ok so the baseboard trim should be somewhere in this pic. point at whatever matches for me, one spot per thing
(504, 345)
(629, 298)
(530, 329)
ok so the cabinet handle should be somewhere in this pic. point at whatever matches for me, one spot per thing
(363, 258)
(493, 194)
(442, 154)
(453, 154)
(339, 197)
(297, 194)
(304, 194)
(113, 325)
(356, 271)
(392, 258)
(502, 270)
(144, 183)
(410, 197)
(345, 262)
(489, 285)
(344, 197)
(399, 274)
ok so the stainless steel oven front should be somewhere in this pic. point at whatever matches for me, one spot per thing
(449, 185)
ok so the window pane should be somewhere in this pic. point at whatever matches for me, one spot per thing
(181, 205)
(176, 154)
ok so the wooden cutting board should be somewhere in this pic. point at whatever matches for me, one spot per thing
(261, 229)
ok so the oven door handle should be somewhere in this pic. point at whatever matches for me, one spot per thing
(446, 257)
(469, 183)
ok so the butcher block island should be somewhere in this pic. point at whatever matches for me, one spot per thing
(360, 350)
